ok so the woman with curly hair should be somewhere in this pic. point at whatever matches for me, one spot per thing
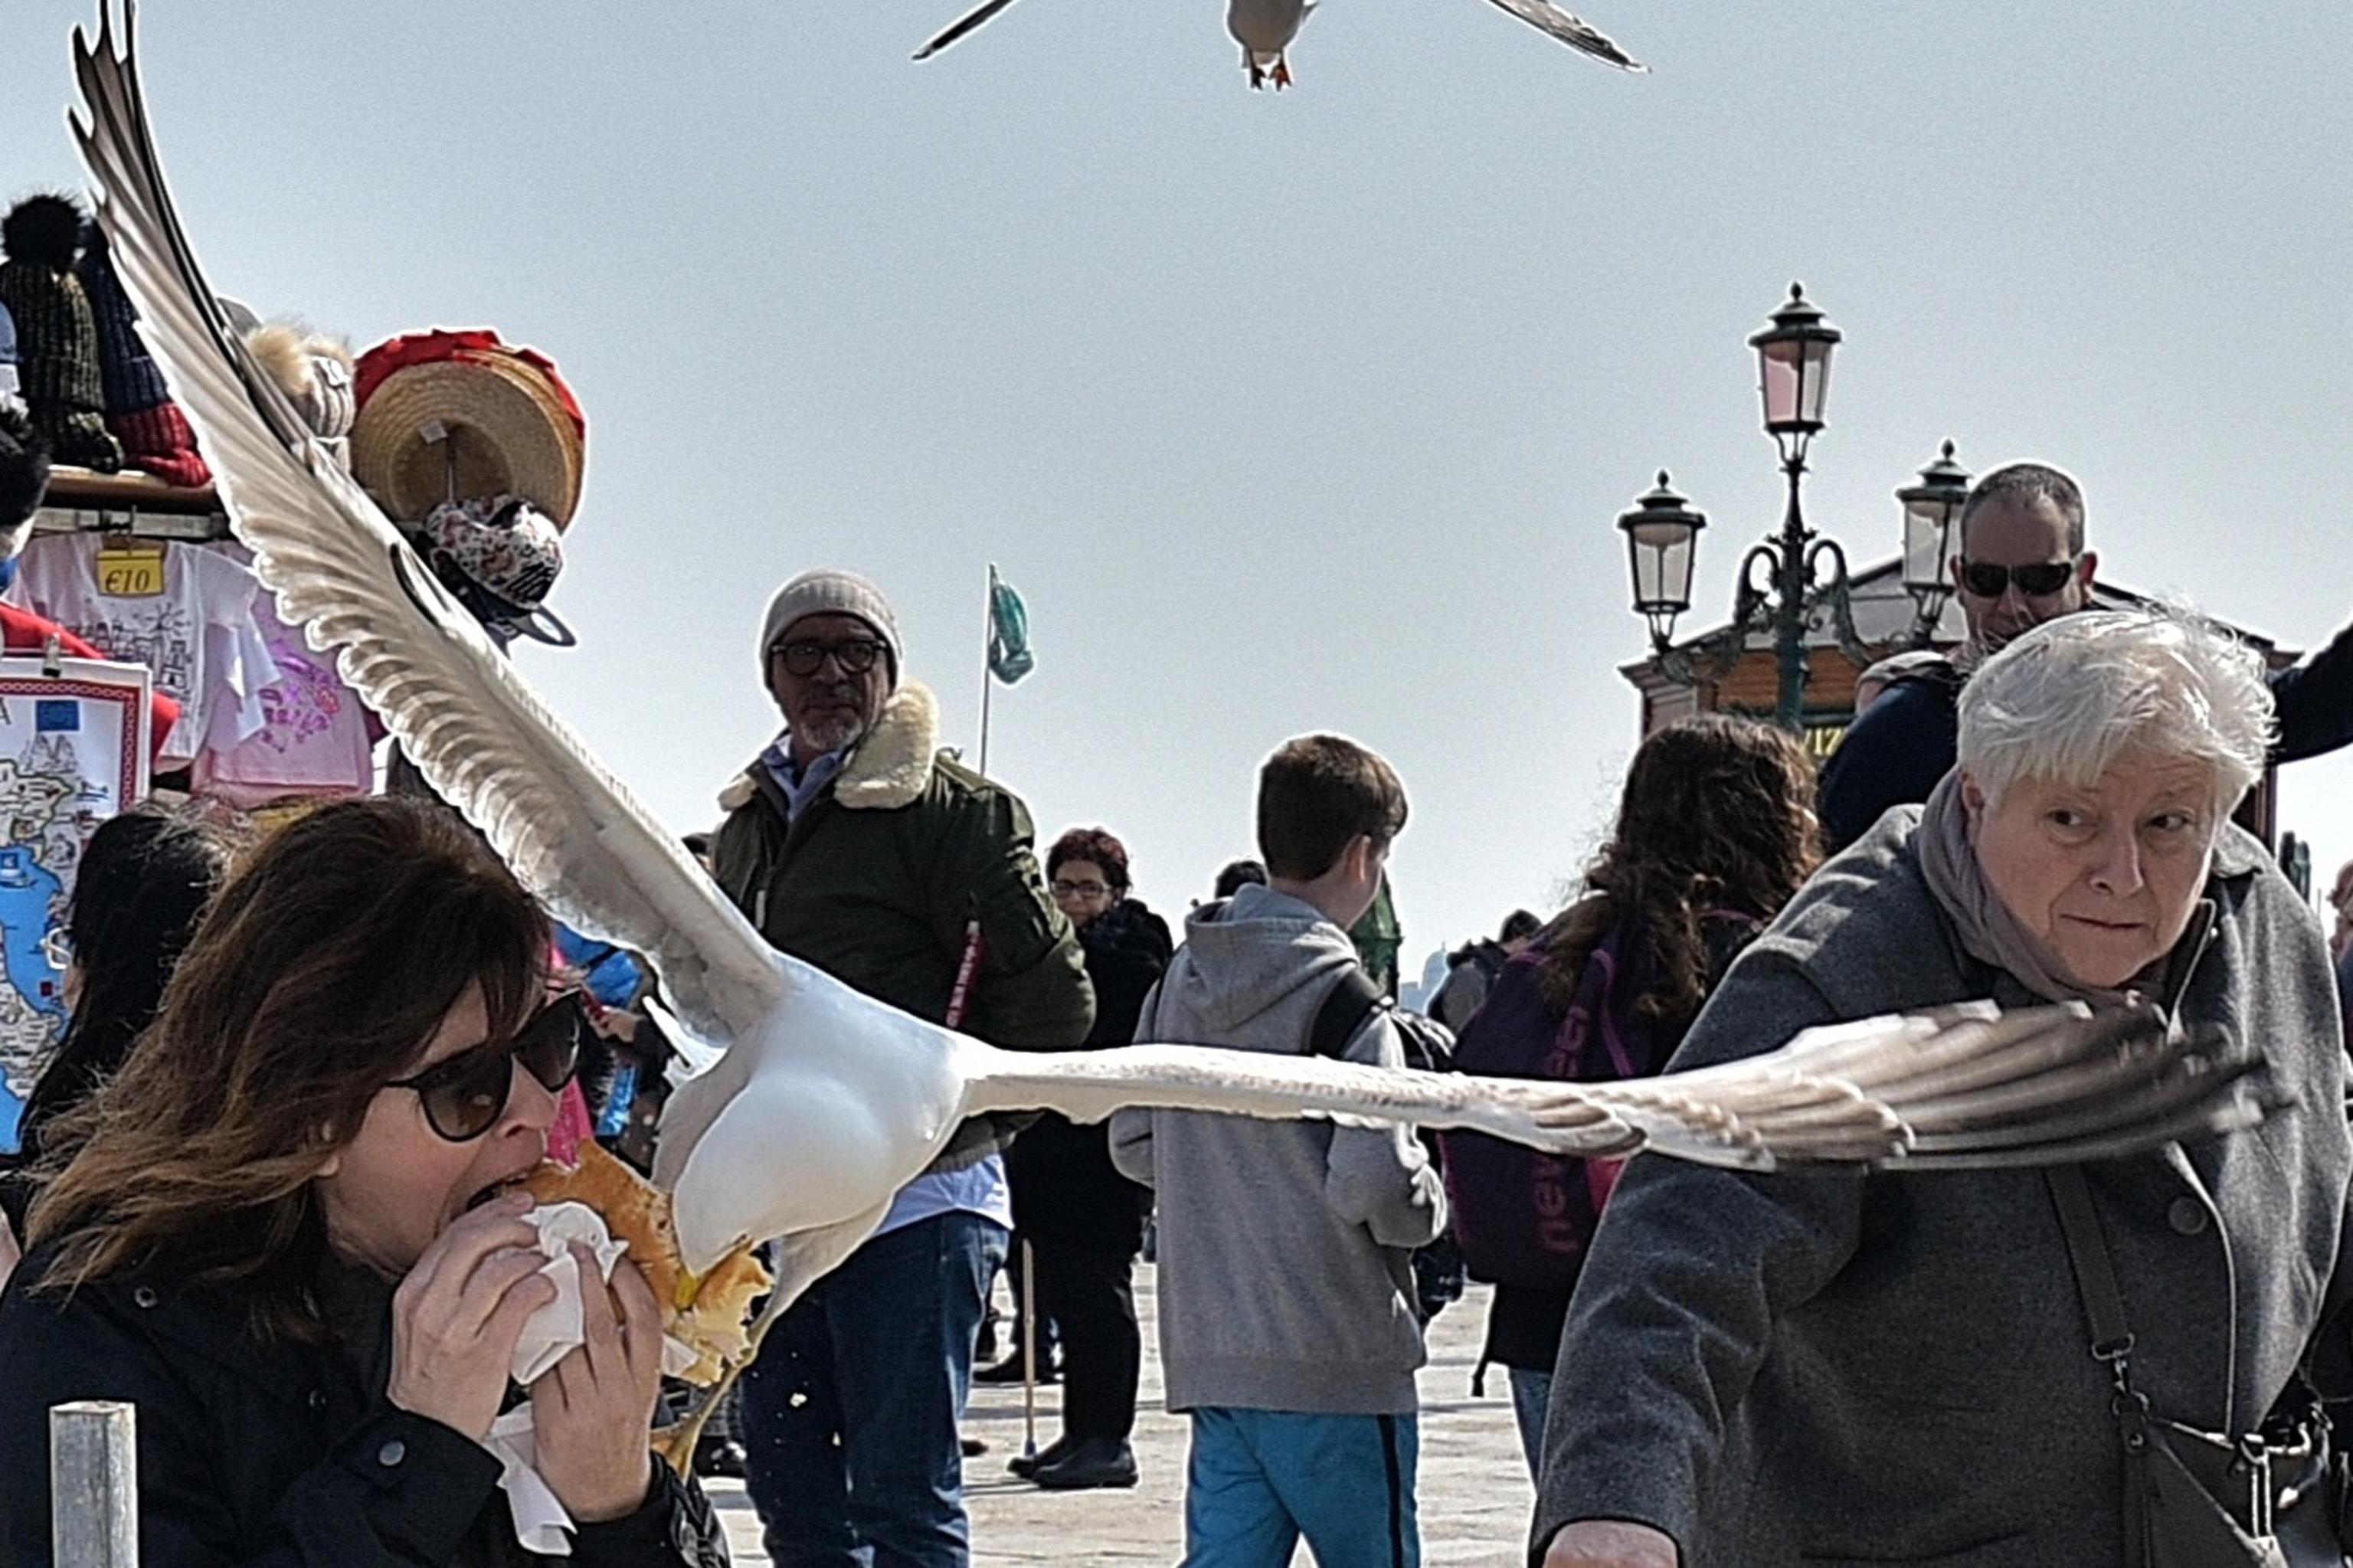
(1714, 832)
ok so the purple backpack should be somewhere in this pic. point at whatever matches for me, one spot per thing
(1522, 1218)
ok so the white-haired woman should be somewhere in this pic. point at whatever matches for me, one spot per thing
(1834, 1367)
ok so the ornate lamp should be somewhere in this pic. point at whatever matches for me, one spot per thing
(1662, 533)
(1932, 518)
(1793, 364)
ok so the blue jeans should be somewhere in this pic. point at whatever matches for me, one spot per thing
(852, 1456)
(1531, 1401)
(1259, 1480)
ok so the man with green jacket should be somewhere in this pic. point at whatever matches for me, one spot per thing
(852, 843)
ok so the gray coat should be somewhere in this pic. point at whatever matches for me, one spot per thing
(1834, 1367)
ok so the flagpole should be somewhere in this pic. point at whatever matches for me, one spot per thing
(987, 679)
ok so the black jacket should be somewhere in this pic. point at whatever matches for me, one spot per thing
(1064, 1188)
(1904, 743)
(279, 1455)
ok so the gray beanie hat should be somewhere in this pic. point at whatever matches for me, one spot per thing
(830, 593)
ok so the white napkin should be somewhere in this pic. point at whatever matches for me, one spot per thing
(555, 1330)
(539, 1522)
(549, 1335)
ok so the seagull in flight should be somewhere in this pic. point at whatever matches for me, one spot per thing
(822, 1102)
(1265, 28)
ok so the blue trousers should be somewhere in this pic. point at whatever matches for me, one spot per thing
(1261, 1479)
(1531, 1402)
(852, 1456)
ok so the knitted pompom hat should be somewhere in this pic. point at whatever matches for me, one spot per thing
(57, 334)
(139, 408)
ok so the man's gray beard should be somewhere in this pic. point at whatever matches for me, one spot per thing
(836, 735)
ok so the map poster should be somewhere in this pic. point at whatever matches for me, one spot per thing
(73, 752)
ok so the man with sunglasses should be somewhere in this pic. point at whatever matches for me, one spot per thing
(2023, 561)
(854, 845)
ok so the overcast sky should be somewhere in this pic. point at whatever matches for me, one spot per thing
(1298, 411)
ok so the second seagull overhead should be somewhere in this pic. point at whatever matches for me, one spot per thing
(1265, 28)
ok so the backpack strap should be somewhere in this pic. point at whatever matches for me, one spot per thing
(1344, 1011)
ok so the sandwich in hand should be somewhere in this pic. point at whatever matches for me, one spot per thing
(704, 1315)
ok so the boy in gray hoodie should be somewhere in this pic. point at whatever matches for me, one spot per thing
(1287, 1326)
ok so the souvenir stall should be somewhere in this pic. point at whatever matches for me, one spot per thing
(143, 655)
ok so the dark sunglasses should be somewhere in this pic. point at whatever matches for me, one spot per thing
(803, 658)
(464, 1096)
(2037, 581)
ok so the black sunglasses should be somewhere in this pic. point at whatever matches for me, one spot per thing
(803, 658)
(2037, 581)
(464, 1096)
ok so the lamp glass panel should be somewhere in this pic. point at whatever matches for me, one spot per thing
(1923, 544)
(1781, 367)
(1814, 383)
(1663, 566)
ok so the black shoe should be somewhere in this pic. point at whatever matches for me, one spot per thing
(1025, 1465)
(974, 1448)
(1092, 1462)
(1010, 1371)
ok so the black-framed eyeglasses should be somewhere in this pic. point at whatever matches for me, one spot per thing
(2039, 580)
(464, 1096)
(1079, 889)
(803, 656)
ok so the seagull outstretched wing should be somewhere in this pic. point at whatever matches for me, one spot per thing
(1575, 31)
(1971, 1088)
(574, 833)
(971, 19)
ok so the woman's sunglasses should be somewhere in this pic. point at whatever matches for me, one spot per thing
(2040, 580)
(464, 1096)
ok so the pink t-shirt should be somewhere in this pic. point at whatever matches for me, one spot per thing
(316, 736)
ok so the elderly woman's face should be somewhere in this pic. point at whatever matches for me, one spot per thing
(397, 1185)
(2107, 876)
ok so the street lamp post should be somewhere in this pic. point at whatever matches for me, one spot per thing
(1779, 575)
(1793, 365)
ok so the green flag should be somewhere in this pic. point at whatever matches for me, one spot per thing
(1009, 657)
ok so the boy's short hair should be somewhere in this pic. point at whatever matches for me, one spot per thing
(1316, 796)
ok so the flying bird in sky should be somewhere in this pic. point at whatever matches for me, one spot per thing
(1265, 28)
(822, 1102)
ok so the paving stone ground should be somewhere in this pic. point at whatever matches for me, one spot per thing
(1475, 1494)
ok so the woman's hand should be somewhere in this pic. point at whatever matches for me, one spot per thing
(1611, 1543)
(456, 1317)
(592, 1415)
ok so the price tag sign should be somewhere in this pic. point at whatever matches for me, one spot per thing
(130, 568)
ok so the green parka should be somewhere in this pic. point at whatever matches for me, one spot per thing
(880, 880)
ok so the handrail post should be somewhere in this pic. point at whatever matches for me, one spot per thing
(94, 1484)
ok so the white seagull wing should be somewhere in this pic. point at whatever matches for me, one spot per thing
(1968, 1088)
(574, 834)
(1575, 31)
(972, 19)
(1562, 1118)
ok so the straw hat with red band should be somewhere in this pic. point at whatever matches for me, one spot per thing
(507, 424)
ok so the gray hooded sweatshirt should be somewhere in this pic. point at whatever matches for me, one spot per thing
(1285, 1274)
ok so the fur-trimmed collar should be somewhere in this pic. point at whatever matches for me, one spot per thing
(890, 768)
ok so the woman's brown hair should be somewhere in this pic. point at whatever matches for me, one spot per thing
(318, 977)
(1718, 815)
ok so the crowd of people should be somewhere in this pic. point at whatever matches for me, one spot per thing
(265, 1187)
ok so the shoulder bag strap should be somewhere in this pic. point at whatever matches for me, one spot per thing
(2112, 1341)
(1352, 999)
